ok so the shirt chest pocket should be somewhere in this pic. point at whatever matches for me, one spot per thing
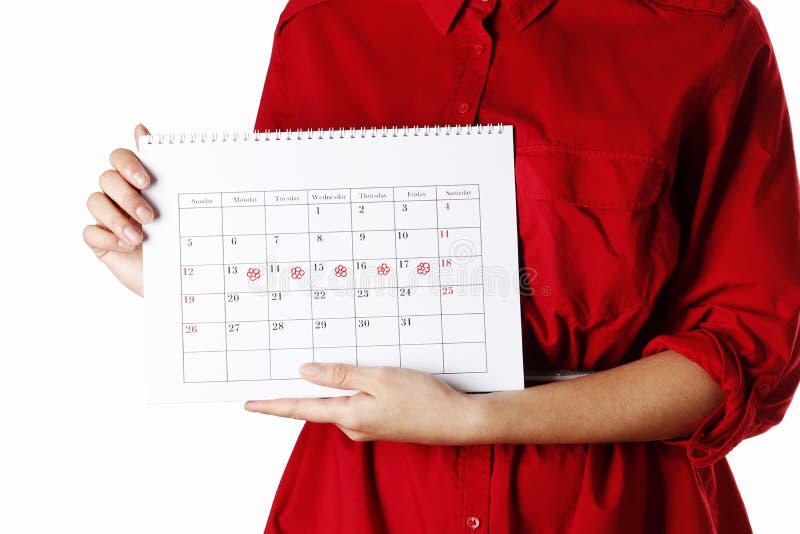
(587, 222)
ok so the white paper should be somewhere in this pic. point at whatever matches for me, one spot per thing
(379, 249)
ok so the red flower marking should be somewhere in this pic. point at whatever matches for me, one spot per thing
(297, 273)
(340, 271)
(253, 273)
(384, 269)
(423, 268)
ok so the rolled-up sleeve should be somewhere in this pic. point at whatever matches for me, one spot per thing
(733, 302)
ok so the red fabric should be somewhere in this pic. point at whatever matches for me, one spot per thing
(658, 209)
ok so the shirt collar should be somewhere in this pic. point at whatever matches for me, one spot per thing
(522, 12)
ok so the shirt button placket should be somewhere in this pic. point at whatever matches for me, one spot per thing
(475, 467)
(471, 33)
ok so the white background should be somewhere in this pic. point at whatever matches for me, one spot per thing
(80, 451)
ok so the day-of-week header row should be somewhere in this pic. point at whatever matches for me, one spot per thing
(327, 196)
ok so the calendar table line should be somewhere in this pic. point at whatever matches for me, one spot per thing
(397, 303)
(355, 231)
(320, 203)
(345, 289)
(483, 294)
(331, 317)
(289, 379)
(324, 347)
(365, 188)
(318, 260)
(314, 204)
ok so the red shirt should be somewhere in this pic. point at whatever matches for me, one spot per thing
(658, 209)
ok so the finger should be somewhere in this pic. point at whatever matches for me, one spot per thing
(315, 410)
(109, 215)
(126, 196)
(338, 375)
(139, 131)
(129, 166)
(101, 240)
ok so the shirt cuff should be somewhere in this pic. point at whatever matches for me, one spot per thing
(735, 418)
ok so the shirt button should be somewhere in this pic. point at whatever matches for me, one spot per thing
(764, 384)
(473, 522)
(479, 48)
(463, 107)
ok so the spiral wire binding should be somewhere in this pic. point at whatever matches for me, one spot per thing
(331, 133)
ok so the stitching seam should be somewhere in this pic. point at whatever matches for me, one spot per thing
(593, 152)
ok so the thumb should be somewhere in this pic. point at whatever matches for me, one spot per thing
(140, 131)
(337, 375)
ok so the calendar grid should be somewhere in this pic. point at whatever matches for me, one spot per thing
(408, 273)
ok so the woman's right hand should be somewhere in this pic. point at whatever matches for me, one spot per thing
(120, 211)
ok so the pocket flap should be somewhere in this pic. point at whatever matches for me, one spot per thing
(590, 178)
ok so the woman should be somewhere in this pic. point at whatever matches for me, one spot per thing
(658, 226)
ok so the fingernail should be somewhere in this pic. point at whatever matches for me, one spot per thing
(132, 235)
(256, 406)
(124, 245)
(310, 369)
(145, 214)
(139, 179)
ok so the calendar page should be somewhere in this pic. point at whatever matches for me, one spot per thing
(372, 247)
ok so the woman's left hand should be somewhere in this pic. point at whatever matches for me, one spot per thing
(392, 404)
